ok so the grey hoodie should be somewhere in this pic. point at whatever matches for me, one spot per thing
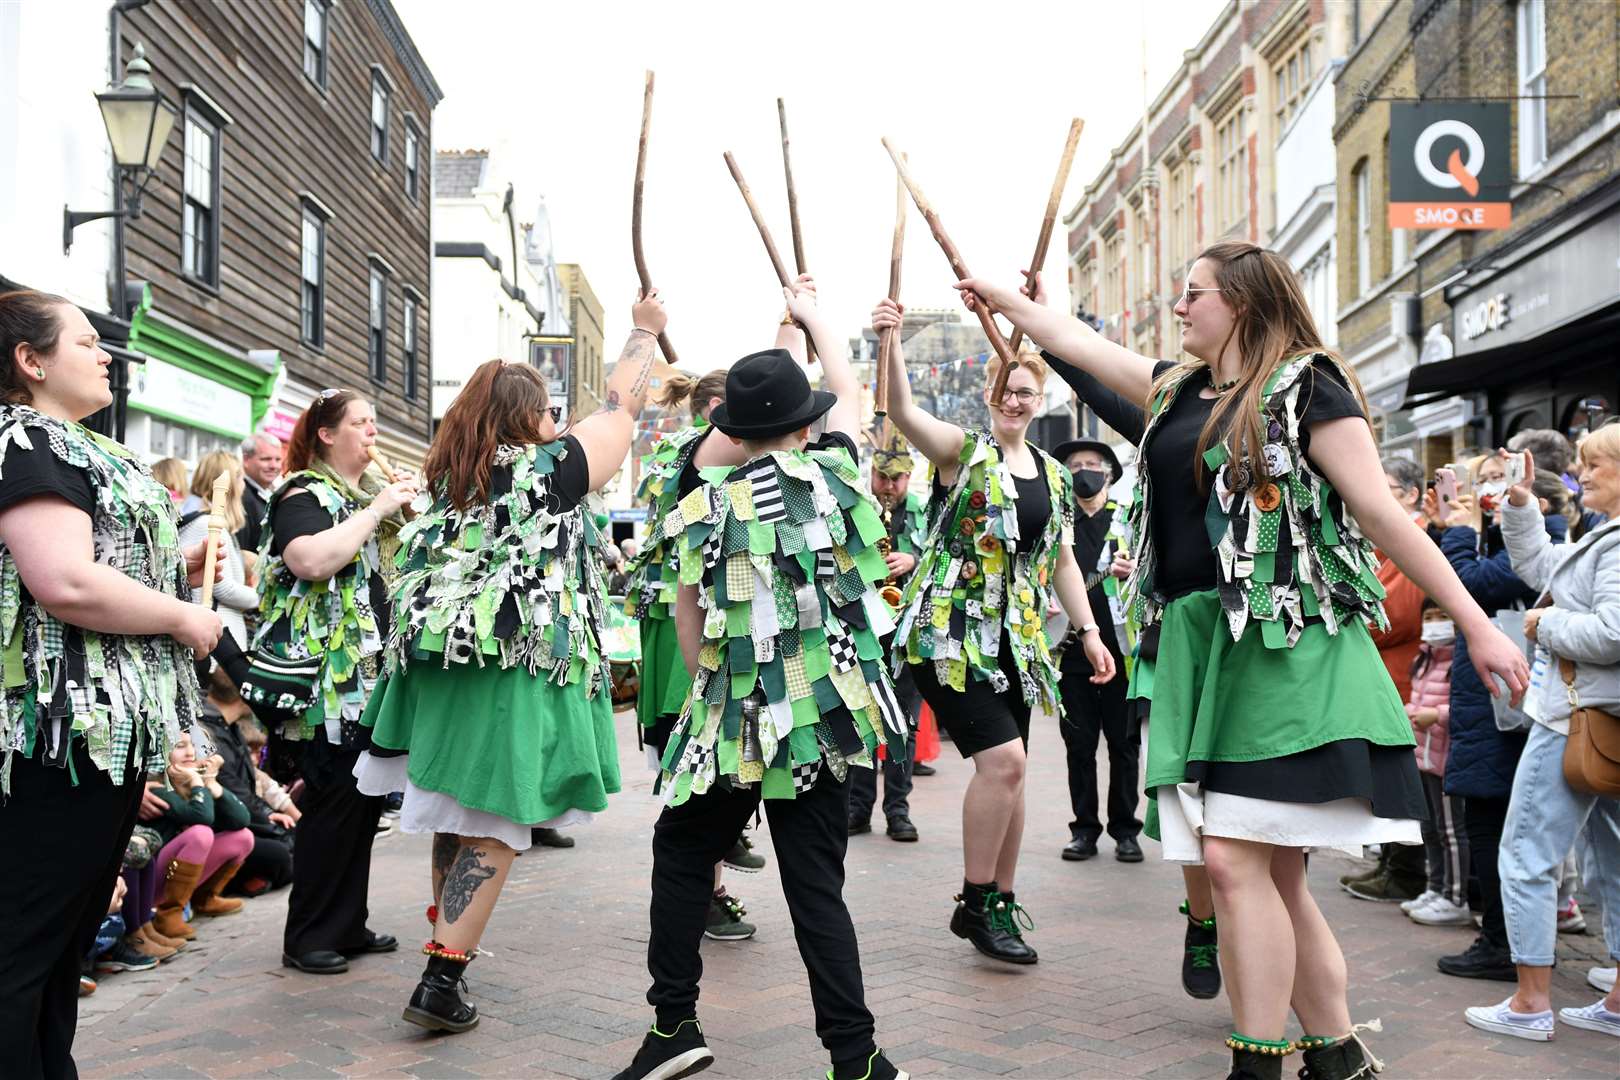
(1583, 623)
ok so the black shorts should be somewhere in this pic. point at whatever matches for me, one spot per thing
(977, 718)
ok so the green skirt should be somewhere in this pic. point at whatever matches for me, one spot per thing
(1215, 699)
(665, 682)
(498, 740)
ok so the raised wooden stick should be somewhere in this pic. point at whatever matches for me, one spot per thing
(216, 535)
(1052, 202)
(764, 232)
(793, 216)
(635, 212)
(880, 393)
(954, 257)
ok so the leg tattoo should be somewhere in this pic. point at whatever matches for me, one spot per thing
(444, 853)
(462, 880)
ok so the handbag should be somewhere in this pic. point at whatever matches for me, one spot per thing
(1592, 754)
(279, 690)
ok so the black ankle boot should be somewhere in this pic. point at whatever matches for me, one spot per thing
(1342, 1060)
(437, 1003)
(983, 918)
(1200, 958)
(1254, 1065)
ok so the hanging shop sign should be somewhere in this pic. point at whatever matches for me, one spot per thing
(174, 393)
(1449, 165)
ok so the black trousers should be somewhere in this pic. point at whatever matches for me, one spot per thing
(810, 834)
(1091, 711)
(332, 872)
(896, 773)
(270, 859)
(61, 846)
(1483, 819)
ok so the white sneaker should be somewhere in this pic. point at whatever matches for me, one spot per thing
(1592, 1018)
(1570, 919)
(1418, 901)
(1442, 912)
(1600, 978)
(1502, 1020)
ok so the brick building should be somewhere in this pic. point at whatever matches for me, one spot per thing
(1233, 147)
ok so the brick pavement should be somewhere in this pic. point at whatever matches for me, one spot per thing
(562, 994)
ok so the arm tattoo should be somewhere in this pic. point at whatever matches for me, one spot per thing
(612, 402)
(640, 350)
(462, 881)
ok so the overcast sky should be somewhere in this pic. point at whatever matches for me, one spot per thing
(980, 96)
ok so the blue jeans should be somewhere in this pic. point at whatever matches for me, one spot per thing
(1544, 819)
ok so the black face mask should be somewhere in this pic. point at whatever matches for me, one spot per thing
(1087, 482)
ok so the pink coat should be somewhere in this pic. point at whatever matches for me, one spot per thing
(1431, 689)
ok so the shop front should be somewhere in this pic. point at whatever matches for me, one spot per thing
(1536, 335)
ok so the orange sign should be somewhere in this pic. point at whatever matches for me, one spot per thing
(1439, 215)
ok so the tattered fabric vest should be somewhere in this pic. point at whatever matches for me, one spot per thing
(790, 675)
(654, 575)
(329, 620)
(512, 582)
(1286, 548)
(978, 577)
(127, 696)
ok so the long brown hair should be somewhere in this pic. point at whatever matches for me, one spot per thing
(501, 405)
(1273, 324)
(679, 387)
(26, 318)
(326, 411)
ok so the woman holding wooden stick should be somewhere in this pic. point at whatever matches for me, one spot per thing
(1275, 726)
(973, 625)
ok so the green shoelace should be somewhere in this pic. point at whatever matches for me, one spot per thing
(1007, 915)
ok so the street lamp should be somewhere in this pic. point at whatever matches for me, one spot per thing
(139, 121)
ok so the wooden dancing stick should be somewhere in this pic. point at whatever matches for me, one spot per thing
(635, 213)
(765, 235)
(1052, 202)
(954, 257)
(793, 215)
(216, 535)
(880, 393)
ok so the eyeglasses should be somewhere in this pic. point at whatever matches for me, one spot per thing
(556, 413)
(1189, 295)
(1024, 395)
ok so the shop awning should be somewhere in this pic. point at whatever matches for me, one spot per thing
(1487, 370)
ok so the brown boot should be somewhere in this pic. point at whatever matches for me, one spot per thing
(182, 881)
(206, 901)
(147, 947)
(150, 933)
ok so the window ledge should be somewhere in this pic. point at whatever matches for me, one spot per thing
(200, 284)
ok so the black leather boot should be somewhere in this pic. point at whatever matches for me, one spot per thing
(437, 1003)
(981, 917)
(1342, 1060)
(1255, 1065)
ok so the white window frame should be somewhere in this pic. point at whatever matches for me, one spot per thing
(378, 121)
(318, 13)
(1362, 177)
(1530, 17)
(1231, 171)
(410, 307)
(413, 161)
(311, 276)
(377, 323)
(199, 198)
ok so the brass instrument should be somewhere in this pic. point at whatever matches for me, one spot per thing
(891, 589)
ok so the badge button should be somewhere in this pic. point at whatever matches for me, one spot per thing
(1267, 497)
(1277, 463)
(970, 570)
(976, 499)
(967, 526)
(1239, 478)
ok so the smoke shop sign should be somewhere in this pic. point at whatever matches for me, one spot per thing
(1479, 319)
(1449, 165)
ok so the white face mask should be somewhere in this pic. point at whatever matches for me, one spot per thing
(1439, 632)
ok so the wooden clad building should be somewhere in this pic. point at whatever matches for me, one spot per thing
(285, 244)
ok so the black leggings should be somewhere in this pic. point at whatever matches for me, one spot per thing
(977, 717)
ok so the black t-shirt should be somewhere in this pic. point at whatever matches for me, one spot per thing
(30, 473)
(689, 478)
(1090, 537)
(1186, 561)
(1034, 504)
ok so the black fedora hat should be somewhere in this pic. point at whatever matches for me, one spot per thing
(1074, 446)
(768, 395)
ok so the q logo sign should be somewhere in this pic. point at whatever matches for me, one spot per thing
(1448, 167)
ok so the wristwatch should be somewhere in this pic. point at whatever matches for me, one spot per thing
(1088, 628)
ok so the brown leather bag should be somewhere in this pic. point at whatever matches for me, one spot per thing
(1592, 754)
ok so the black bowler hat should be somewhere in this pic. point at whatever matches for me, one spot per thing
(768, 395)
(1074, 446)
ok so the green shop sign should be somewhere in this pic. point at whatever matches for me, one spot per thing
(191, 378)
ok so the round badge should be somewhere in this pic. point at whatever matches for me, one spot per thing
(989, 545)
(976, 500)
(1028, 629)
(956, 549)
(1267, 497)
(1238, 477)
(1276, 459)
(1273, 430)
(967, 526)
(970, 570)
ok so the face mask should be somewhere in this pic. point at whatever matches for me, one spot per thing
(1490, 494)
(1439, 632)
(1087, 482)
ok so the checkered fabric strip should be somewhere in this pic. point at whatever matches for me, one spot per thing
(805, 775)
(843, 651)
(712, 548)
(768, 501)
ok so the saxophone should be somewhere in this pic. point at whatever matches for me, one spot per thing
(891, 589)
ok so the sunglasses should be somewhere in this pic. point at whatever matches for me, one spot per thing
(330, 392)
(556, 412)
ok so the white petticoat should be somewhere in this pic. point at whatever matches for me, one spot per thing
(434, 812)
(1187, 814)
